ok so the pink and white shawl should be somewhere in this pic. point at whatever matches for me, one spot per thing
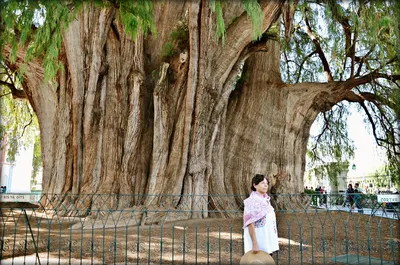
(256, 207)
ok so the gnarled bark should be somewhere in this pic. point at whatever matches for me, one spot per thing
(124, 119)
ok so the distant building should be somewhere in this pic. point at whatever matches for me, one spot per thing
(16, 176)
(314, 181)
(360, 180)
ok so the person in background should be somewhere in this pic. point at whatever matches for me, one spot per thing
(358, 198)
(357, 188)
(323, 195)
(349, 196)
(318, 197)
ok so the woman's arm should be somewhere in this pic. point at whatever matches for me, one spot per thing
(252, 232)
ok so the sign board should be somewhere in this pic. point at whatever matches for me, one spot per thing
(15, 197)
(388, 198)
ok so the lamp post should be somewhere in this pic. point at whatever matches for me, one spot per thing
(354, 167)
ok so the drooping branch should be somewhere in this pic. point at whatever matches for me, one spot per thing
(375, 99)
(378, 101)
(350, 44)
(379, 141)
(318, 137)
(319, 50)
(26, 125)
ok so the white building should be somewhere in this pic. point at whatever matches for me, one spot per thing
(313, 181)
(16, 176)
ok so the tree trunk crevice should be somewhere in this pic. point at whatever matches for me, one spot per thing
(127, 119)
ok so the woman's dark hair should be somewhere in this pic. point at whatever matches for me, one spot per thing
(257, 179)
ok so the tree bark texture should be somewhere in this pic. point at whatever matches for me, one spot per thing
(125, 119)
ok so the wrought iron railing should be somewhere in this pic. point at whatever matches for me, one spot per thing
(194, 229)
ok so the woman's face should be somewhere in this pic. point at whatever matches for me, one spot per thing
(261, 187)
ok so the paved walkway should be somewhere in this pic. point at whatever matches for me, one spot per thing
(387, 213)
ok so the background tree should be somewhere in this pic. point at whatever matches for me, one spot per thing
(379, 178)
(18, 122)
(371, 48)
(136, 97)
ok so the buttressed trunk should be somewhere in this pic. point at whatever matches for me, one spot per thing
(267, 127)
(126, 118)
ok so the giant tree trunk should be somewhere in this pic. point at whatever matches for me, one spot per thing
(268, 124)
(123, 119)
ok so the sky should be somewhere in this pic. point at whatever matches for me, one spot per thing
(368, 156)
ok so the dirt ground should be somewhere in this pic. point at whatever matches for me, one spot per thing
(304, 238)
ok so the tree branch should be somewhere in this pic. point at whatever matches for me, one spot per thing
(17, 93)
(353, 82)
(344, 69)
(254, 47)
(5, 94)
(302, 63)
(324, 129)
(26, 125)
(371, 122)
(377, 101)
(350, 46)
(362, 60)
(379, 141)
(369, 77)
(318, 49)
(239, 34)
(287, 65)
(288, 10)
(362, 96)
(353, 53)
(344, 22)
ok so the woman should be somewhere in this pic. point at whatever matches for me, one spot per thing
(259, 219)
(350, 195)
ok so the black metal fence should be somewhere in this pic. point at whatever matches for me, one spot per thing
(194, 229)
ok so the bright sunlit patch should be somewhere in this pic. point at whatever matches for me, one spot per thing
(286, 241)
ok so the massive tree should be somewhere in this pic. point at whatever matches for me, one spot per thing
(187, 97)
